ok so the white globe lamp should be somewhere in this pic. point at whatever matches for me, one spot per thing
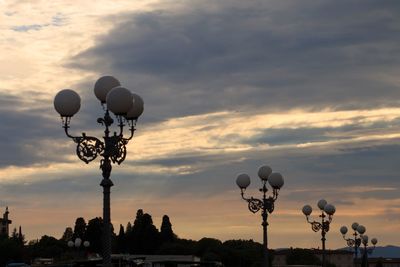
(119, 100)
(67, 103)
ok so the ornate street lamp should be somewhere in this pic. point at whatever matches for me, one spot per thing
(77, 244)
(327, 211)
(127, 107)
(355, 242)
(266, 204)
(367, 250)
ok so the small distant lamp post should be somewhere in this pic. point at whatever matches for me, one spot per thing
(327, 211)
(367, 250)
(77, 243)
(127, 107)
(265, 204)
(355, 242)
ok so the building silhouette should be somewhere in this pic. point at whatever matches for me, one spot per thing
(4, 223)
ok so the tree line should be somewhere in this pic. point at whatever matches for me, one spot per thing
(139, 237)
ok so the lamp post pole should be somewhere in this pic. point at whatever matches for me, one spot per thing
(265, 204)
(327, 211)
(127, 107)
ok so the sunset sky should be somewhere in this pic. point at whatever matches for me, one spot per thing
(310, 88)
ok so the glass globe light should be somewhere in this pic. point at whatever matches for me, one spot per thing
(276, 180)
(119, 100)
(343, 230)
(374, 241)
(243, 181)
(365, 239)
(70, 243)
(329, 209)
(307, 210)
(361, 229)
(103, 86)
(86, 244)
(136, 109)
(321, 204)
(264, 172)
(78, 242)
(67, 103)
(354, 226)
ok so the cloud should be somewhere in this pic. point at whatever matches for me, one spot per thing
(308, 88)
(254, 56)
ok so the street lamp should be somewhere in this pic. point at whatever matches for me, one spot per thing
(364, 240)
(355, 242)
(266, 205)
(327, 210)
(77, 244)
(127, 107)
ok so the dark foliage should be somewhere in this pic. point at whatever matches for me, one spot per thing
(94, 233)
(80, 228)
(166, 233)
(141, 237)
(300, 256)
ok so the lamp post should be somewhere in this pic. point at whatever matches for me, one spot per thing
(327, 211)
(127, 107)
(364, 240)
(77, 243)
(355, 242)
(265, 204)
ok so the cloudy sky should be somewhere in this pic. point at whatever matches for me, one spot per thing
(310, 88)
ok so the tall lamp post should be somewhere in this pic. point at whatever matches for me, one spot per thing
(367, 250)
(127, 107)
(355, 242)
(265, 204)
(327, 211)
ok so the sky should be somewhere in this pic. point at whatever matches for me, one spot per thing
(310, 88)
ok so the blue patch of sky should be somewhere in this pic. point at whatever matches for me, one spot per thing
(26, 28)
(57, 20)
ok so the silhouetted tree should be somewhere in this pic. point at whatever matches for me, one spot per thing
(178, 247)
(10, 249)
(144, 237)
(241, 253)
(94, 233)
(128, 228)
(68, 234)
(166, 233)
(121, 246)
(300, 256)
(47, 247)
(206, 245)
(80, 228)
(18, 237)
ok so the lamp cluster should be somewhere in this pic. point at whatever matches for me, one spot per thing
(77, 243)
(359, 238)
(126, 106)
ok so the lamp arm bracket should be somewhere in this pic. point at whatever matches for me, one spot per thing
(88, 147)
(315, 226)
(254, 204)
